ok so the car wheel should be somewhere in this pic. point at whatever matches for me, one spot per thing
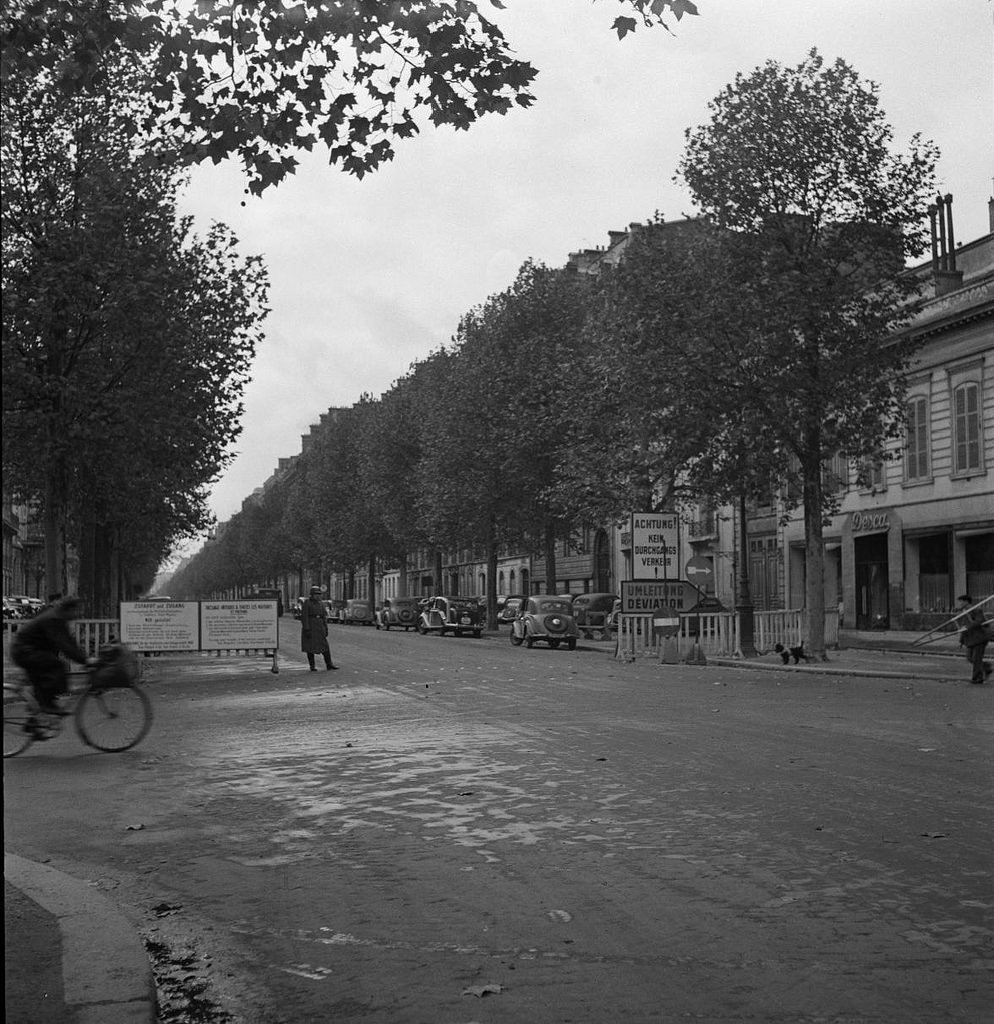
(554, 644)
(516, 640)
(529, 642)
(571, 645)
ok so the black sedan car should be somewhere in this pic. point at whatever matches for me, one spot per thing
(547, 618)
(456, 615)
(398, 611)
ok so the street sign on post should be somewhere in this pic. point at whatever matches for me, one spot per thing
(700, 571)
(662, 598)
(655, 546)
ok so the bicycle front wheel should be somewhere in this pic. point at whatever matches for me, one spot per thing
(17, 722)
(114, 719)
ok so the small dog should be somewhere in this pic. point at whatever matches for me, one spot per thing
(796, 653)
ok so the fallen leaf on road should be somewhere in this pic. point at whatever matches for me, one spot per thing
(481, 990)
(934, 835)
(134, 828)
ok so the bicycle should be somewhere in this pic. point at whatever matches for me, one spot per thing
(110, 711)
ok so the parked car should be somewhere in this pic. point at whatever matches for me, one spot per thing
(593, 613)
(509, 610)
(335, 608)
(357, 612)
(11, 610)
(398, 611)
(457, 615)
(545, 617)
(29, 606)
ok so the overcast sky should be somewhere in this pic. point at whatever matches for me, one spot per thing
(370, 276)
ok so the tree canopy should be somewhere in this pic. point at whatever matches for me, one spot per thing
(263, 80)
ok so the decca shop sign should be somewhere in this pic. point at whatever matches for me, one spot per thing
(867, 522)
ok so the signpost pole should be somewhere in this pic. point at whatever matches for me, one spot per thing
(743, 598)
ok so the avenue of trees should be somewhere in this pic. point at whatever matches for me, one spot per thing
(749, 346)
(126, 339)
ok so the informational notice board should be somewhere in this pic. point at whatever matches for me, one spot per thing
(200, 625)
(237, 625)
(161, 625)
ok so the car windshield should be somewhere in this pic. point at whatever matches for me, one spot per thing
(464, 606)
(562, 607)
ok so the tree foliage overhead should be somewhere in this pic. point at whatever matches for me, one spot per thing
(266, 78)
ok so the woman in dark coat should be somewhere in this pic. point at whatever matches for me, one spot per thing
(314, 629)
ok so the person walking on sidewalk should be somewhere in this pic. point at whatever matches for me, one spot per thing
(975, 637)
(314, 630)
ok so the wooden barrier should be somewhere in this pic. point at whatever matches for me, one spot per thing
(92, 634)
(718, 633)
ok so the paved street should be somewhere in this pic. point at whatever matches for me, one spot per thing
(455, 830)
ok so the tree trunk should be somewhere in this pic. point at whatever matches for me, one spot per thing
(491, 578)
(372, 581)
(436, 573)
(814, 562)
(53, 520)
(743, 602)
(550, 556)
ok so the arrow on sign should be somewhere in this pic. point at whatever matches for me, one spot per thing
(693, 570)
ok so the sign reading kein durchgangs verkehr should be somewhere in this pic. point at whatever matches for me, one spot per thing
(655, 546)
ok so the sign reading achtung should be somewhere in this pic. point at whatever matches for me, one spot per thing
(655, 546)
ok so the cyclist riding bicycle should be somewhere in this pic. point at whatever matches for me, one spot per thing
(36, 647)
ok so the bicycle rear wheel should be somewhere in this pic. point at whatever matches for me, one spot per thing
(17, 719)
(114, 719)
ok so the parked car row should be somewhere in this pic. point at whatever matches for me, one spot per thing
(20, 607)
(553, 619)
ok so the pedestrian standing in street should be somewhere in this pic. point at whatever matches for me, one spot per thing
(314, 630)
(975, 637)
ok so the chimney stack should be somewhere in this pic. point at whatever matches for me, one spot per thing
(947, 277)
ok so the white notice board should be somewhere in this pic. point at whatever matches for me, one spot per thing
(160, 625)
(655, 546)
(238, 625)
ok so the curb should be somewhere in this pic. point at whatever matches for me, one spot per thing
(106, 975)
(828, 669)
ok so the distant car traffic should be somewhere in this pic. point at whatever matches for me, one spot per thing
(546, 618)
(398, 611)
(357, 612)
(456, 615)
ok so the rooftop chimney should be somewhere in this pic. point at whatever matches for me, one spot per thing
(947, 277)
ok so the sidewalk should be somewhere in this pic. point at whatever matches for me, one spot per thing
(69, 956)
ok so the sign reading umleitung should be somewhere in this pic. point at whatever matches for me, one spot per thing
(238, 625)
(655, 546)
(654, 597)
(160, 625)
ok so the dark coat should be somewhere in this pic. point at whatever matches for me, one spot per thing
(47, 633)
(313, 626)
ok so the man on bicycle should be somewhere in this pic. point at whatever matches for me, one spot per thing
(37, 645)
